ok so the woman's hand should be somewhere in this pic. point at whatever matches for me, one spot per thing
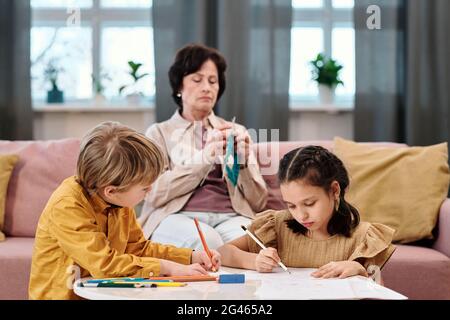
(215, 146)
(170, 268)
(202, 258)
(242, 146)
(266, 260)
(340, 269)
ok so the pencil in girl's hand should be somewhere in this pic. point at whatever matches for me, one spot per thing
(263, 246)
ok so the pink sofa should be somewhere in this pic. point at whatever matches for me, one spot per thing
(418, 272)
(41, 168)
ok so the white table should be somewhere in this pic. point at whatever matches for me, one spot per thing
(266, 286)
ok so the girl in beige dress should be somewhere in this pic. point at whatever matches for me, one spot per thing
(318, 230)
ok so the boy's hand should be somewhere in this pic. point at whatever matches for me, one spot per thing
(340, 269)
(202, 258)
(266, 260)
(170, 268)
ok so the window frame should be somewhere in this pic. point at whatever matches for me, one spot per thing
(96, 17)
(325, 17)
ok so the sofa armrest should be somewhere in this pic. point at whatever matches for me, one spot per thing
(442, 243)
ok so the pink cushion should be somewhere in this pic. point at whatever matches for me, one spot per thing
(418, 273)
(42, 166)
(274, 199)
(269, 154)
(15, 264)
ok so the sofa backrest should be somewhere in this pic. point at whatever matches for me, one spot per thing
(42, 166)
(269, 155)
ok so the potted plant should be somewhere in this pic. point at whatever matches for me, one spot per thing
(135, 96)
(326, 73)
(99, 87)
(51, 73)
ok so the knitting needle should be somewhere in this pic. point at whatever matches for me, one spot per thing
(233, 121)
(233, 130)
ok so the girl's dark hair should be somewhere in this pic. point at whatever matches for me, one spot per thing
(319, 167)
(190, 59)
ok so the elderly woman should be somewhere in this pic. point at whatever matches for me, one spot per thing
(194, 141)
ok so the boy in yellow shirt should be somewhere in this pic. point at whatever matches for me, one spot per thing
(89, 227)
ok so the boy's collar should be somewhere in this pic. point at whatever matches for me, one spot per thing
(101, 205)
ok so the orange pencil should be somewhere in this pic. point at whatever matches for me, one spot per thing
(205, 246)
(186, 278)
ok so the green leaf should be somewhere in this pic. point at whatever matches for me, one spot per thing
(142, 76)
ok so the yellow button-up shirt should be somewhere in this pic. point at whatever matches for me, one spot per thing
(80, 235)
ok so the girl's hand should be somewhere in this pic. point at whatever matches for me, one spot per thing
(266, 260)
(340, 269)
(202, 258)
(170, 268)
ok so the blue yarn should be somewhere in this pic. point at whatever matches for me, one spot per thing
(233, 170)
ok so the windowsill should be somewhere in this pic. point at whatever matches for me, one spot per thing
(339, 107)
(108, 106)
(91, 106)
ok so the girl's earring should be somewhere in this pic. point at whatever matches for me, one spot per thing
(179, 94)
(337, 203)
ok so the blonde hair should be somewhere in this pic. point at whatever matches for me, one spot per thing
(112, 154)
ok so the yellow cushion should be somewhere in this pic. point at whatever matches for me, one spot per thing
(7, 163)
(400, 187)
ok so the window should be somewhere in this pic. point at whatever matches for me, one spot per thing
(321, 26)
(109, 34)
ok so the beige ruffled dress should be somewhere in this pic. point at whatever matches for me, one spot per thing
(370, 243)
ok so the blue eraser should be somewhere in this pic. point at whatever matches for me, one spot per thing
(232, 278)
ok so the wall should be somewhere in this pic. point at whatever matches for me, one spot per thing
(320, 125)
(58, 124)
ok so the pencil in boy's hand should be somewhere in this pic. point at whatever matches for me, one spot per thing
(262, 246)
(205, 246)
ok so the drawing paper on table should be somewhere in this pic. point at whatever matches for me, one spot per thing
(279, 274)
(301, 285)
(305, 289)
(368, 289)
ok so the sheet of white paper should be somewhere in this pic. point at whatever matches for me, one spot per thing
(368, 289)
(299, 284)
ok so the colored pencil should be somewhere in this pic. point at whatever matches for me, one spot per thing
(186, 278)
(205, 245)
(263, 246)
